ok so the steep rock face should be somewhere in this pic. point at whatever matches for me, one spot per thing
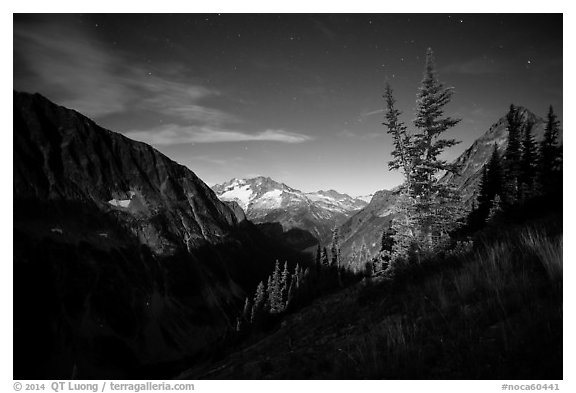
(303, 217)
(60, 155)
(366, 226)
(122, 257)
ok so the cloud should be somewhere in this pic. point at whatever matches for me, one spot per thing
(371, 113)
(68, 64)
(182, 101)
(478, 66)
(171, 134)
(65, 62)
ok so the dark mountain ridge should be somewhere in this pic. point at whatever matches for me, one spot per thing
(122, 257)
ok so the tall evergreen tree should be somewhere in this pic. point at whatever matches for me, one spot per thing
(285, 282)
(431, 197)
(528, 161)
(269, 294)
(400, 137)
(495, 174)
(276, 302)
(513, 155)
(335, 250)
(259, 302)
(550, 160)
(427, 208)
(484, 197)
(318, 260)
(491, 184)
(325, 259)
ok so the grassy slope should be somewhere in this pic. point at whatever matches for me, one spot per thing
(492, 313)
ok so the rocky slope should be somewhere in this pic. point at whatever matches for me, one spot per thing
(122, 257)
(298, 218)
(366, 226)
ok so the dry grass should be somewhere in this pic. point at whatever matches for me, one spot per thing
(497, 315)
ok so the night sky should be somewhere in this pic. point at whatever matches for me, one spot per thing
(293, 97)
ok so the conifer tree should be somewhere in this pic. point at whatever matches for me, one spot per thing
(431, 197)
(259, 302)
(335, 250)
(495, 174)
(402, 158)
(484, 197)
(550, 160)
(528, 161)
(325, 259)
(491, 184)
(400, 137)
(269, 288)
(285, 280)
(318, 260)
(276, 301)
(513, 155)
(426, 207)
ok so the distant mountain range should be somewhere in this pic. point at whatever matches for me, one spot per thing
(296, 217)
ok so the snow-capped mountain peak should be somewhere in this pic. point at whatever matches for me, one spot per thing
(266, 200)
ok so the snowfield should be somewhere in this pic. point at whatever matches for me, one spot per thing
(241, 195)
